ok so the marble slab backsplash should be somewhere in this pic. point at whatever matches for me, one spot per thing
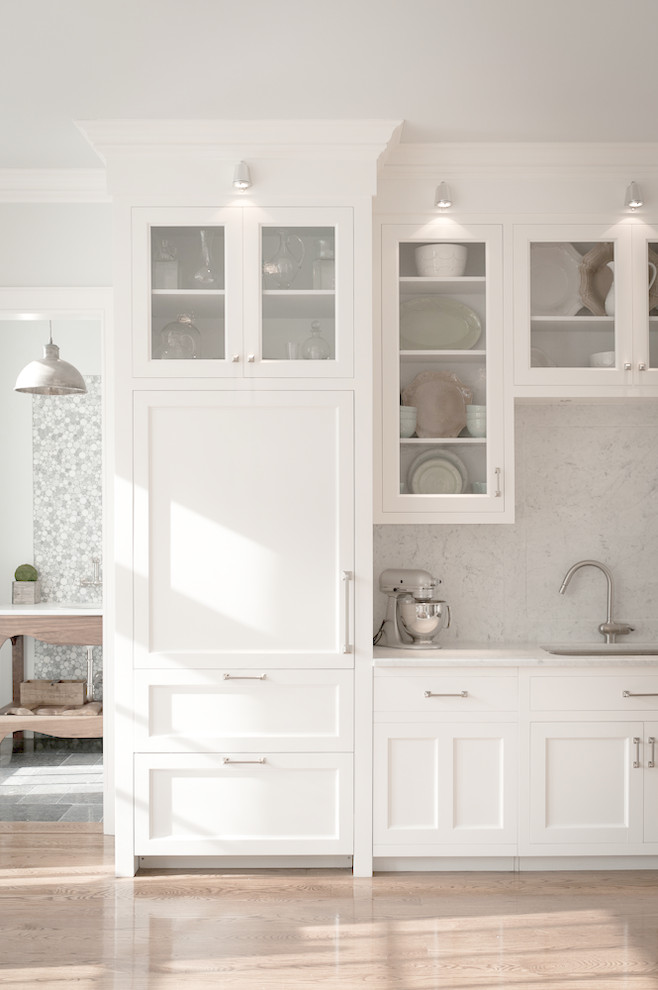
(67, 529)
(586, 488)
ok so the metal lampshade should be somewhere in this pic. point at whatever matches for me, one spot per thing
(50, 375)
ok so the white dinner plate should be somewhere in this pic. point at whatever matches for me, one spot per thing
(554, 279)
(437, 323)
(440, 479)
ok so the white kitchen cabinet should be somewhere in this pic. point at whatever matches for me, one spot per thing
(244, 529)
(244, 710)
(584, 295)
(442, 352)
(233, 803)
(238, 292)
(444, 789)
(445, 763)
(593, 785)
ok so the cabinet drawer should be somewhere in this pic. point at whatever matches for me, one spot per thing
(594, 693)
(243, 803)
(245, 710)
(446, 692)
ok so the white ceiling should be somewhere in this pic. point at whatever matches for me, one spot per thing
(453, 70)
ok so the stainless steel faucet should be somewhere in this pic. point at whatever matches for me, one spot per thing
(609, 629)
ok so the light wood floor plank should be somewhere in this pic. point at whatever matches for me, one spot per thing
(67, 922)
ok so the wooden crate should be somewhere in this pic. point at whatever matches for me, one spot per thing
(52, 693)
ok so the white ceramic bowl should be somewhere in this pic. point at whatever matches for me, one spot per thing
(407, 420)
(441, 259)
(602, 359)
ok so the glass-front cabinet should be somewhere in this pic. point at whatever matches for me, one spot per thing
(243, 292)
(586, 305)
(443, 399)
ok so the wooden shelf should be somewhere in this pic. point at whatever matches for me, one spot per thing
(63, 726)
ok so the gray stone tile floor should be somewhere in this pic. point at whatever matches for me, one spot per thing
(51, 780)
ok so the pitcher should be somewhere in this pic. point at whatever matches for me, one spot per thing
(610, 298)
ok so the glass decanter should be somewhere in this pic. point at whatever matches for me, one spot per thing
(206, 276)
(315, 347)
(284, 265)
(180, 340)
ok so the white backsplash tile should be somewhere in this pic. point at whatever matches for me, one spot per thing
(586, 488)
(67, 496)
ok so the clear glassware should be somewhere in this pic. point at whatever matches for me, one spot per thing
(315, 347)
(180, 340)
(280, 271)
(206, 276)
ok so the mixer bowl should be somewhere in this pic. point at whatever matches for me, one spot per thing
(423, 620)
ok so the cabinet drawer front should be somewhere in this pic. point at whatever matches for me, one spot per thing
(246, 710)
(242, 803)
(625, 693)
(455, 693)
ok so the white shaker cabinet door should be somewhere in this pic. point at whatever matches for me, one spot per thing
(586, 785)
(243, 551)
(445, 789)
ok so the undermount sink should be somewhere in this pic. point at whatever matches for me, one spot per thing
(603, 649)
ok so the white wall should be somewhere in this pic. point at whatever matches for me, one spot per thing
(587, 487)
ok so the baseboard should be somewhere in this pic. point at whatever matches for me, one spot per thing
(244, 862)
(509, 864)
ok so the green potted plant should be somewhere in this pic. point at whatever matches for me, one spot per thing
(26, 587)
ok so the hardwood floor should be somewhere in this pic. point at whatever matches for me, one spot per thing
(67, 922)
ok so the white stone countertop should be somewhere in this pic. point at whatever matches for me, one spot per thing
(51, 608)
(514, 655)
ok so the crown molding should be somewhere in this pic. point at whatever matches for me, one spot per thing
(351, 140)
(53, 185)
(491, 159)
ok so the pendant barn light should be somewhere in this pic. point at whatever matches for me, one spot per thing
(50, 375)
(633, 197)
(241, 176)
(443, 199)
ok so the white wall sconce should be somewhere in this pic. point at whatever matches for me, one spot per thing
(241, 176)
(443, 198)
(633, 197)
(50, 375)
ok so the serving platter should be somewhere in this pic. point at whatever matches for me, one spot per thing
(554, 279)
(440, 399)
(438, 323)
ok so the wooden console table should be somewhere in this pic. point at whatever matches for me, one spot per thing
(61, 626)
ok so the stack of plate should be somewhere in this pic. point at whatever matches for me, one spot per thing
(433, 473)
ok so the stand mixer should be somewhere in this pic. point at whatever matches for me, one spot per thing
(413, 616)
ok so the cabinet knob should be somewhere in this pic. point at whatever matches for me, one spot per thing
(235, 358)
(251, 358)
(642, 366)
(628, 366)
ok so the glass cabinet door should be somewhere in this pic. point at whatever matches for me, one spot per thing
(298, 293)
(645, 305)
(442, 365)
(187, 292)
(573, 304)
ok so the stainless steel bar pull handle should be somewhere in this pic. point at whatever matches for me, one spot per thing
(438, 694)
(652, 759)
(636, 761)
(499, 492)
(227, 759)
(634, 694)
(245, 677)
(346, 578)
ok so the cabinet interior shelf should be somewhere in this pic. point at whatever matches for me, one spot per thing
(299, 304)
(198, 303)
(433, 441)
(443, 355)
(572, 322)
(425, 285)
